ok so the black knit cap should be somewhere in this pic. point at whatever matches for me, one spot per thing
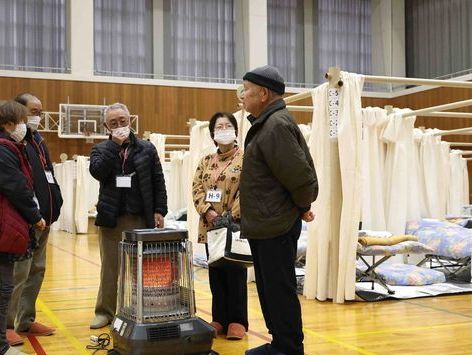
(268, 77)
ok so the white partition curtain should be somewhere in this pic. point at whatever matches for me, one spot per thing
(458, 193)
(285, 38)
(123, 37)
(66, 174)
(433, 180)
(374, 120)
(243, 126)
(177, 180)
(336, 149)
(159, 141)
(402, 201)
(81, 196)
(34, 35)
(199, 39)
(201, 144)
(443, 45)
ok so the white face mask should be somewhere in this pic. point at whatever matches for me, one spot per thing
(33, 122)
(225, 136)
(19, 133)
(121, 132)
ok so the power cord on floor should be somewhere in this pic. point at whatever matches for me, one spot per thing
(99, 343)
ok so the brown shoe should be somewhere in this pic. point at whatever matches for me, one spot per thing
(38, 329)
(218, 328)
(14, 338)
(236, 331)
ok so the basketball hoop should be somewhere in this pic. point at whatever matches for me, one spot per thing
(88, 138)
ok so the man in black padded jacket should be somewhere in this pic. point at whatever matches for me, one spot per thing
(29, 273)
(132, 195)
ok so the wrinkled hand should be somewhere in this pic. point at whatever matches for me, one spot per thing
(210, 215)
(158, 220)
(41, 224)
(308, 216)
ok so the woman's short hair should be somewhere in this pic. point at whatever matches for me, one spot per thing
(12, 111)
(217, 115)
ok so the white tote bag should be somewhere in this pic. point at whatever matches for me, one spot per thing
(227, 247)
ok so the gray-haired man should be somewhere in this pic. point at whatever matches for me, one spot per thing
(132, 195)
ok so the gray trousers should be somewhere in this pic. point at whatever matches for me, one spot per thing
(6, 288)
(109, 239)
(28, 278)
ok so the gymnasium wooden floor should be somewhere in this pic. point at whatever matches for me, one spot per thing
(436, 325)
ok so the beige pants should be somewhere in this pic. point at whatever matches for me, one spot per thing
(109, 239)
(28, 278)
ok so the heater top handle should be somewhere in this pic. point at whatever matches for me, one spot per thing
(155, 235)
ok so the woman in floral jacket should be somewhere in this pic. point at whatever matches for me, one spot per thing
(215, 193)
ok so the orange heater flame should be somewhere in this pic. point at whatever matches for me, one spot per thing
(158, 272)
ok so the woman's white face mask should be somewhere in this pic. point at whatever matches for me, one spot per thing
(33, 122)
(225, 136)
(19, 132)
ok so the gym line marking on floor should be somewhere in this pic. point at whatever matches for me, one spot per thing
(61, 327)
(406, 329)
(37, 347)
(328, 338)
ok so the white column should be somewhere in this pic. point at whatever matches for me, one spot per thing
(388, 37)
(255, 30)
(158, 38)
(309, 41)
(81, 38)
(398, 38)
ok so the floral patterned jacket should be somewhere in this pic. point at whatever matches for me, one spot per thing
(220, 171)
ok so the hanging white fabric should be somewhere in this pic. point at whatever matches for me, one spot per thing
(81, 196)
(374, 120)
(177, 181)
(159, 141)
(456, 185)
(444, 177)
(67, 183)
(431, 160)
(243, 126)
(417, 138)
(401, 172)
(58, 174)
(336, 150)
(306, 131)
(201, 144)
(465, 174)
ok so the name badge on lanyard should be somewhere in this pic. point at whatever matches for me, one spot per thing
(49, 176)
(213, 196)
(124, 181)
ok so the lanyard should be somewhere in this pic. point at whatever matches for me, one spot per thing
(124, 156)
(42, 156)
(217, 173)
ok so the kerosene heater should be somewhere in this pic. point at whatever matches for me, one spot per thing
(156, 301)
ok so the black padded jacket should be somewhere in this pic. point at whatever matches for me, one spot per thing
(148, 181)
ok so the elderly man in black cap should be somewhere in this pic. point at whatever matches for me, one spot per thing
(278, 185)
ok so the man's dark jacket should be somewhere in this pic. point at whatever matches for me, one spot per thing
(278, 180)
(48, 195)
(148, 182)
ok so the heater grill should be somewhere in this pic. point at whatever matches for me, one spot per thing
(156, 283)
